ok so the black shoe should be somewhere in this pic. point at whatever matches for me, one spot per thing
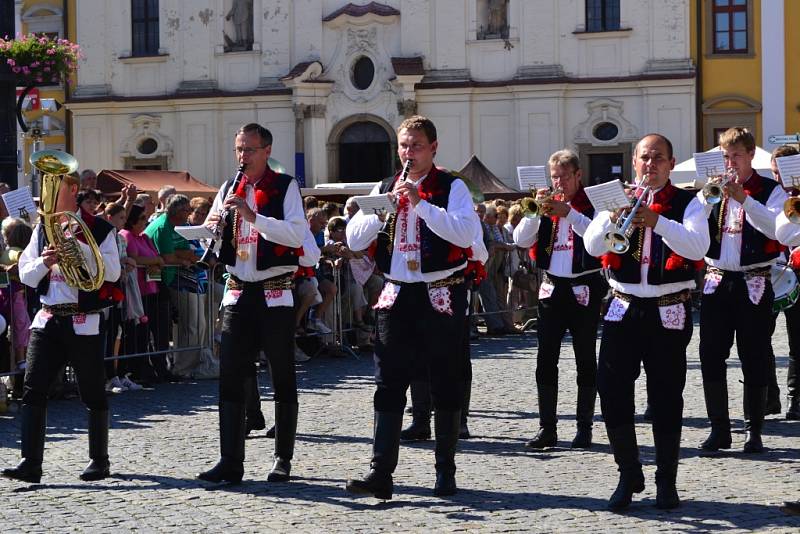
(225, 471)
(27, 471)
(285, 432)
(583, 438)
(446, 425)
(716, 397)
(629, 483)
(445, 484)
(385, 449)
(271, 432)
(377, 484)
(719, 438)
(793, 413)
(667, 495)
(254, 421)
(791, 507)
(230, 467)
(34, 421)
(418, 430)
(99, 467)
(756, 403)
(97, 470)
(545, 438)
(281, 470)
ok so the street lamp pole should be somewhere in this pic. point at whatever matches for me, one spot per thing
(8, 118)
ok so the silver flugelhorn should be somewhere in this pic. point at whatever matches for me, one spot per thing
(713, 191)
(618, 240)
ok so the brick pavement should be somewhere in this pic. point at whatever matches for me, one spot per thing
(161, 438)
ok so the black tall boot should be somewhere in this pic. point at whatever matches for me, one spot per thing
(773, 405)
(420, 427)
(626, 455)
(34, 420)
(584, 415)
(716, 395)
(230, 467)
(385, 450)
(668, 449)
(463, 432)
(446, 426)
(285, 431)
(792, 390)
(754, 417)
(99, 467)
(548, 400)
(254, 417)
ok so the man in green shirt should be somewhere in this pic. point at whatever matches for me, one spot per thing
(176, 251)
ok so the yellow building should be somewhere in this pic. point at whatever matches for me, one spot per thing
(747, 70)
(43, 17)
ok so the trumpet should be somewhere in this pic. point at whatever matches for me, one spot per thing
(204, 261)
(713, 191)
(77, 268)
(533, 207)
(618, 240)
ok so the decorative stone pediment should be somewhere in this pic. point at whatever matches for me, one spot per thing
(146, 140)
(600, 111)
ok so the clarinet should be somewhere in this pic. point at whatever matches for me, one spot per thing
(223, 215)
(388, 225)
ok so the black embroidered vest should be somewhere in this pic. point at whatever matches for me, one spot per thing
(756, 247)
(436, 254)
(630, 269)
(582, 261)
(268, 253)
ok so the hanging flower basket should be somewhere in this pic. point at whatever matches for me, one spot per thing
(39, 60)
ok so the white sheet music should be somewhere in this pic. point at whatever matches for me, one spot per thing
(789, 167)
(608, 196)
(532, 177)
(708, 164)
(191, 233)
(19, 203)
(375, 204)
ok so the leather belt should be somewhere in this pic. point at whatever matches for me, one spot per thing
(284, 281)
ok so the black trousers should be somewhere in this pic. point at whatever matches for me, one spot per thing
(55, 345)
(729, 311)
(561, 312)
(793, 333)
(248, 327)
(415, 340)
(640, 338)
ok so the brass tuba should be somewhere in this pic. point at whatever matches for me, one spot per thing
(63, 227)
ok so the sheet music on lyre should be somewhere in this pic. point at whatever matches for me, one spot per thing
(608, 196)
(532, 177)
(375, 204)
(789, 167)
(707, 164)
(19, 203)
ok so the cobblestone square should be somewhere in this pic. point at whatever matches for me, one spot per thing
(160, 439)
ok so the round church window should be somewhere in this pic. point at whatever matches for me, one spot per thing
(147, 145)
(363, 73)
(606, 131)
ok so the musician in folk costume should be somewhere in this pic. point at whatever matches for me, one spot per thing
(649, 318)
(261, 244)
(569, 296)
(737, 292)
(423, 251)
(67, 330)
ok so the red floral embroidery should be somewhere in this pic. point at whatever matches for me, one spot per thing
(611, 261)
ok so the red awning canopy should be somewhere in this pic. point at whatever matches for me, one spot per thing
(111, 182)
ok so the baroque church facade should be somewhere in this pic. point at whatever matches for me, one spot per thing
(165, 84)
